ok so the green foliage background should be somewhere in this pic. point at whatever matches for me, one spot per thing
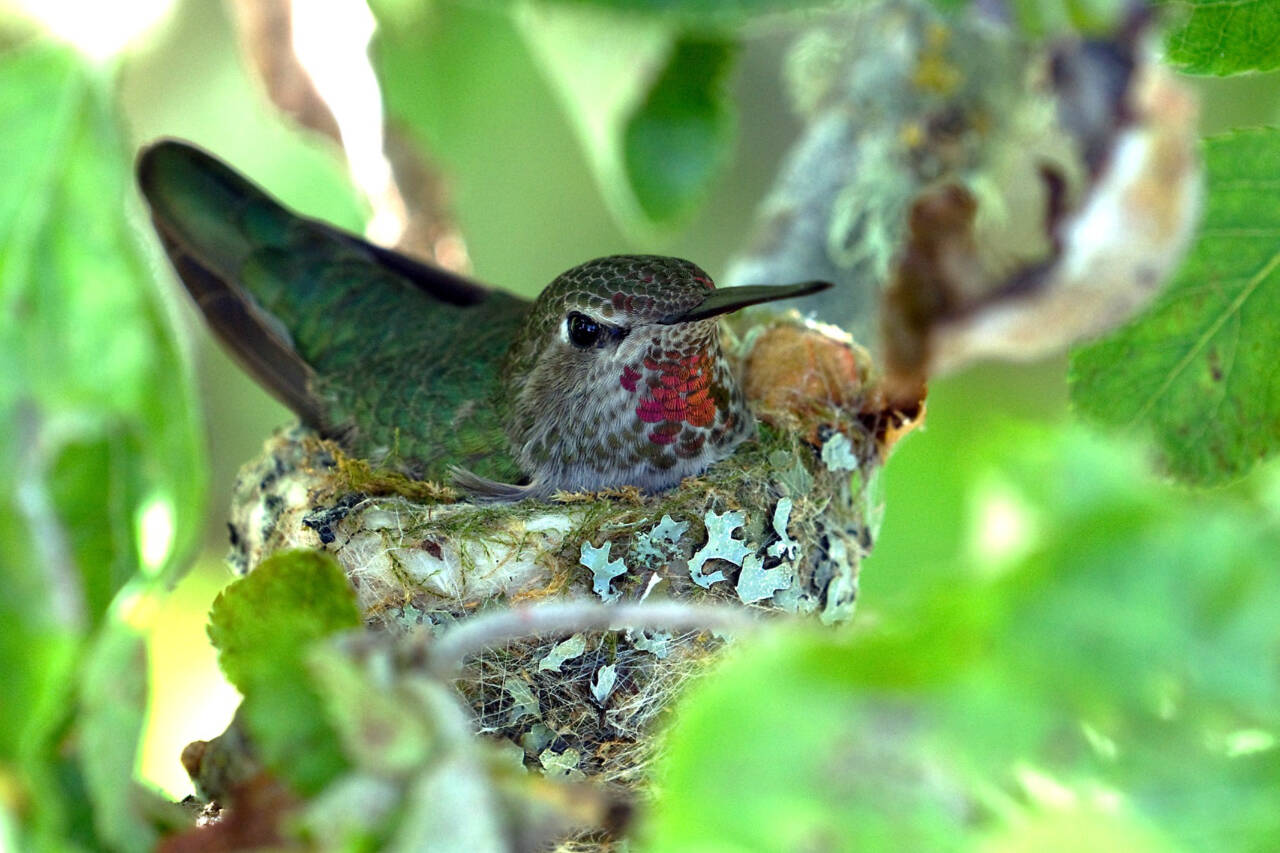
(1062, 647)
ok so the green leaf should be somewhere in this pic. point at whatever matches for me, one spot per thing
(1101, 678)
(263, 626)
(1197, 370)
(752, 763)
(96, 363)
(277, 611)
(97, 491)
(98, 431)
(113, 709)
(380, 731)
(679, 137)
(650, 108)
(1225, 36)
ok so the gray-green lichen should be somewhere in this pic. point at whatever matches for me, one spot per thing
(895, 96)
(603, 570)
(561, 652)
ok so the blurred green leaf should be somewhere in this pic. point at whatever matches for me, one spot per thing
(378, 732)
(98, 430)
(756, 761)
(1107, 671)
(1041, 18)
(650, 108)
(1197, 369)
(421, 781)
(936, 480)
(1216, 37)
(97, 493)
(263, 626)
(97, 369)
(451, 806)
(36, 695)
(113, 707)
(701, 13)
(679, 137)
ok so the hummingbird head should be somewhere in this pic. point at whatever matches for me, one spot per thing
(617, 376)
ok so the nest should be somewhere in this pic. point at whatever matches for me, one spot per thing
(779, 527)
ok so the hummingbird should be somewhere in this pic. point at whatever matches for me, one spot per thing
(614, 376)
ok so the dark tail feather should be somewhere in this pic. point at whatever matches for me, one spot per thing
(483, 490)
(197, 205)
(260, 350)
(206, 208)
(220, 217)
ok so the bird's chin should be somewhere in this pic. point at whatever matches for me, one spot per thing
(644, 476)
(579, 480)
(561, 465)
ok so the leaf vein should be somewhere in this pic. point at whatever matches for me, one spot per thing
(1208, 335)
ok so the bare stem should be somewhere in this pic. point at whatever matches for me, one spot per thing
(455, 645)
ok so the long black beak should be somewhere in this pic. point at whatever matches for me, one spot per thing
(728, 299)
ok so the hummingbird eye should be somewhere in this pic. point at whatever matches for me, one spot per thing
(583, 331)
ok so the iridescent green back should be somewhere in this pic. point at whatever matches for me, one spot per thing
(410, 381)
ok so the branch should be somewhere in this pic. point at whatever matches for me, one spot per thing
(449, 650)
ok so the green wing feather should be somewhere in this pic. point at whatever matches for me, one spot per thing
(397, 359)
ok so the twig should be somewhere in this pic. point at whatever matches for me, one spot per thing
(447, 652)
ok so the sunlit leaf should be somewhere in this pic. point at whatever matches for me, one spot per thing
(1217, 37)
(1197, 370)
(263, 626)
(113, 706)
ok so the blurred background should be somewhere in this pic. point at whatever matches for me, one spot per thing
(1002, 487)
